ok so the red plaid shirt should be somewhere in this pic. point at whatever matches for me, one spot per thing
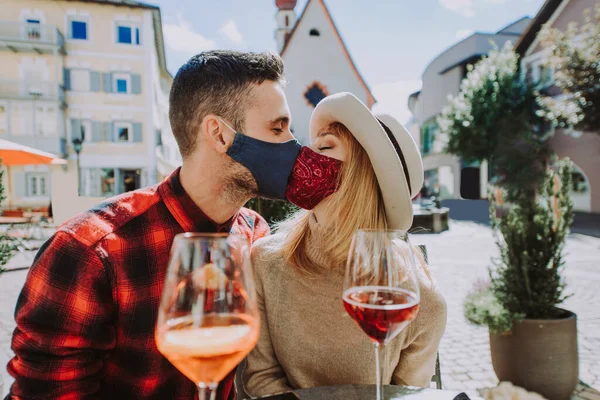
(86, 315)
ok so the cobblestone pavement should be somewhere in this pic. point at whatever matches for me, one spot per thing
(458, 258)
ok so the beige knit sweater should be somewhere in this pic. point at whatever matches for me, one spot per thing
(307, 339)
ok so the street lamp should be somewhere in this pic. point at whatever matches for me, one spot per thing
(77, 145)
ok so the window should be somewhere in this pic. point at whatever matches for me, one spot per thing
(78, 28)
(314, 32)
(123, 132)
(36, 185)
(580, 183)
(80, 80)
(130, 180)
(110, 181)
(33, 30)
(21, 118)
(128, 34)
(107, 181)
(314, 94)
(428, 134)
(86, 130)
(122, 83)
(45, 121)
(542, 75)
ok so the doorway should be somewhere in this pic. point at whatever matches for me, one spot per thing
(130, 179)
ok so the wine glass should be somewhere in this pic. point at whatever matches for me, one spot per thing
(381, 292)
(208, 320)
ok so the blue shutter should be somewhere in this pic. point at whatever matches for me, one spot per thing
(94, 81)
(79, 30)
(94, 183)
(67, 78)
(109, 134)
(137, 132)
(136, 84)
(76, 129)
(124, 34)
(97, 133)
(107, 82)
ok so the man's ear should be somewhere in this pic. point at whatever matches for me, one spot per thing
(216, 133)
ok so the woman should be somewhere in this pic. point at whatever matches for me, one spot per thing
(307, 339)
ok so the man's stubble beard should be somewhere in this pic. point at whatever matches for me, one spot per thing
(239, 185)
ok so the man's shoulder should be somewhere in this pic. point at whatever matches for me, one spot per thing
(110, 215)
(252, 215)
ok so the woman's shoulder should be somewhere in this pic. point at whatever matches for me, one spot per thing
(267, 250)
(433, 307)
(431, 295)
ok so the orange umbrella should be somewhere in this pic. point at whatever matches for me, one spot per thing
(12, 153)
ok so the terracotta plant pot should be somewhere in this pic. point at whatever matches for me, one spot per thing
(539, 355)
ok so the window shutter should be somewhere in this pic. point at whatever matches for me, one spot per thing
(109, 134)
(136, 84)
(94, 81)
(76, 129)
(95, 182)
(19, 184)
(119, 187)
(107, 82)
(137, 132)
(67, 78)
(97, 132)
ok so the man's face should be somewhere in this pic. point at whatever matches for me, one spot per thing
(268, 119)
(268, 116)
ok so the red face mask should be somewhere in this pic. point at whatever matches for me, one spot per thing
(314, 178)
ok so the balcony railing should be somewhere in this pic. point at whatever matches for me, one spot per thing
(14, 35)
(30, 90)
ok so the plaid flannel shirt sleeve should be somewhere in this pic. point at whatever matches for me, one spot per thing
(63, 318)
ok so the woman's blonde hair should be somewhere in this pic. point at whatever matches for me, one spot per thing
(357, 204)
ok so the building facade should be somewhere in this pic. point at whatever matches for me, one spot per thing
(444, 173)
(317, 62)
(583, 148)
(88, 70)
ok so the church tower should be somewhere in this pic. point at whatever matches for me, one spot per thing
(286, 19)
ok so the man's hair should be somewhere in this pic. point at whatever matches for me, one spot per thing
(217, 82)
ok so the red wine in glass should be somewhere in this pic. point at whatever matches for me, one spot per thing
(382, 312)
(381, 291)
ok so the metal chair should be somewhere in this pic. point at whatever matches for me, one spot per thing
(437, 378)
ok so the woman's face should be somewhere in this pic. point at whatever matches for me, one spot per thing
(330, 144)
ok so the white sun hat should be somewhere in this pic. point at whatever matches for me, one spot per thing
(394, 155)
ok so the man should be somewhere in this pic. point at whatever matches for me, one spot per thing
(86, 315)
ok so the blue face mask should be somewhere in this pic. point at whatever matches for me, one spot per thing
(271, 164)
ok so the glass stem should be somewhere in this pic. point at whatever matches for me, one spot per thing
(380, 367)
(207, 391)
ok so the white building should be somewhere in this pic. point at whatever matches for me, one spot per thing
(441, 78)
(317, 62)
(88, 70)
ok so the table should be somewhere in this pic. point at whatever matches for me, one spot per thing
(366, 392)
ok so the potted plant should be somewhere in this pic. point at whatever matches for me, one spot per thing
(496, 117)
(533, 341)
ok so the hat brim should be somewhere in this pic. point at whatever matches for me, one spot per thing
(365, 127)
